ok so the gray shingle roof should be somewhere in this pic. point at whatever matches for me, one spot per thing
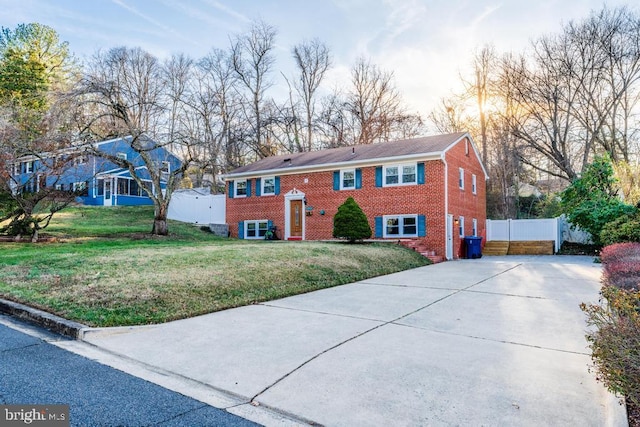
(431, 145)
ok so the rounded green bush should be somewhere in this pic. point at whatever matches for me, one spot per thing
(625, 228)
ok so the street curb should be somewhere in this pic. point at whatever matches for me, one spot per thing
(41, 318)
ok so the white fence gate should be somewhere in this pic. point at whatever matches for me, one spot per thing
(526, 229)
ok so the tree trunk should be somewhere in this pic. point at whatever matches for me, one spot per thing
(160, 221)
(160, 227)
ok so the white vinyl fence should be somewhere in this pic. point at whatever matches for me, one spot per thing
(197, 206)
(526, 229)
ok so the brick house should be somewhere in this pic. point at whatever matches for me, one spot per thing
(430, 189)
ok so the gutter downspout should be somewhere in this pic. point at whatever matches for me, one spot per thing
(446, 206)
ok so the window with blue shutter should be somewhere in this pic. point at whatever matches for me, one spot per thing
(358, 178)
(258, 186)
(241, 230)
(421, 177)
(422, 226)
(231, 189)
(379, 176)
(336, 180)
(378, 227)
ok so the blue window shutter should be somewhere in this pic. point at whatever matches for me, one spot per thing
(358, 178)
(336, 180)
(379, 176)
(248, 188)
(422, 226)
(378, 227)
(277, 185)
(258, 186)
(421, 173)
(231, 189)
(241, 230)
(269, 224)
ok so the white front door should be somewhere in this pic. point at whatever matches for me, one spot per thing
(107, 192)
(449, 249)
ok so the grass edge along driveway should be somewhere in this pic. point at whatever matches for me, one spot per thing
(129, 278)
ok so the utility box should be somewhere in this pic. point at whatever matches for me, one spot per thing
(473, 247)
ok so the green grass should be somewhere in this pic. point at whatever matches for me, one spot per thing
(104, 269)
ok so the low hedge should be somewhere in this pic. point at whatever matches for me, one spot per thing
(615, 343)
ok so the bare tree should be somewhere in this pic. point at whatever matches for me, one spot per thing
(126, 94)
(373, 101)
(313, 60)
(252, 58)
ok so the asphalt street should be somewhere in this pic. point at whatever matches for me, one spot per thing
(33, 371)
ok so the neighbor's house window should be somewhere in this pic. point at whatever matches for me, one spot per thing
(122, 156)
(81, 188)
(400, 226)
(400, 174)
(241, 188)
(348, 179)
(123, 186)
(461, 226)
(474, 225)
(255, 229)
(473, 184)
(28, 167)
(16, 169)
(461, 178)
(268, 186)
(165, 170)
(80, 160)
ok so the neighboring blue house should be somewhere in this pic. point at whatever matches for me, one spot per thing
(97, 181)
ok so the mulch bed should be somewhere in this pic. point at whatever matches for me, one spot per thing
(633, 413)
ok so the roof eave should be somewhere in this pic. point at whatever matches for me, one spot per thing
(292, 170)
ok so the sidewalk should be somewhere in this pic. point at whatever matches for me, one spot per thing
(494, 341)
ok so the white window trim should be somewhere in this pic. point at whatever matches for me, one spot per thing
(28, 166)
(235, 188)
(474, 223)
(474, 186)
(342, 172)
(461, 178)
(400, 225)
(461, 226)
(262, 182)
(257, 223)
(399, 166)
(121, 155)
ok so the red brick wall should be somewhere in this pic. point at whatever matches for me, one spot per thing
(426, 199)
(464, 202)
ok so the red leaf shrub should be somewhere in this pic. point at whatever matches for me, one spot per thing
(621, 265)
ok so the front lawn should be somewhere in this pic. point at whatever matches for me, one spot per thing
(104, 270)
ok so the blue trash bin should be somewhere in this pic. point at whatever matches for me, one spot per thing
(473, 247)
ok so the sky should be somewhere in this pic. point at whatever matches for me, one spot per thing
(427, 44)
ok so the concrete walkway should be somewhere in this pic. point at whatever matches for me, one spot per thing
(494, 341)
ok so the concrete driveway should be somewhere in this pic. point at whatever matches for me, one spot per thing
(494, 341)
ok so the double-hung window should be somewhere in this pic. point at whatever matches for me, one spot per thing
(400, 226)
(474, 223)
(461, 178)
(268, 186)
(348, 179)
(255, 229)
(241, 188)
(473, 184)
(400, 174)
(461, 226)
